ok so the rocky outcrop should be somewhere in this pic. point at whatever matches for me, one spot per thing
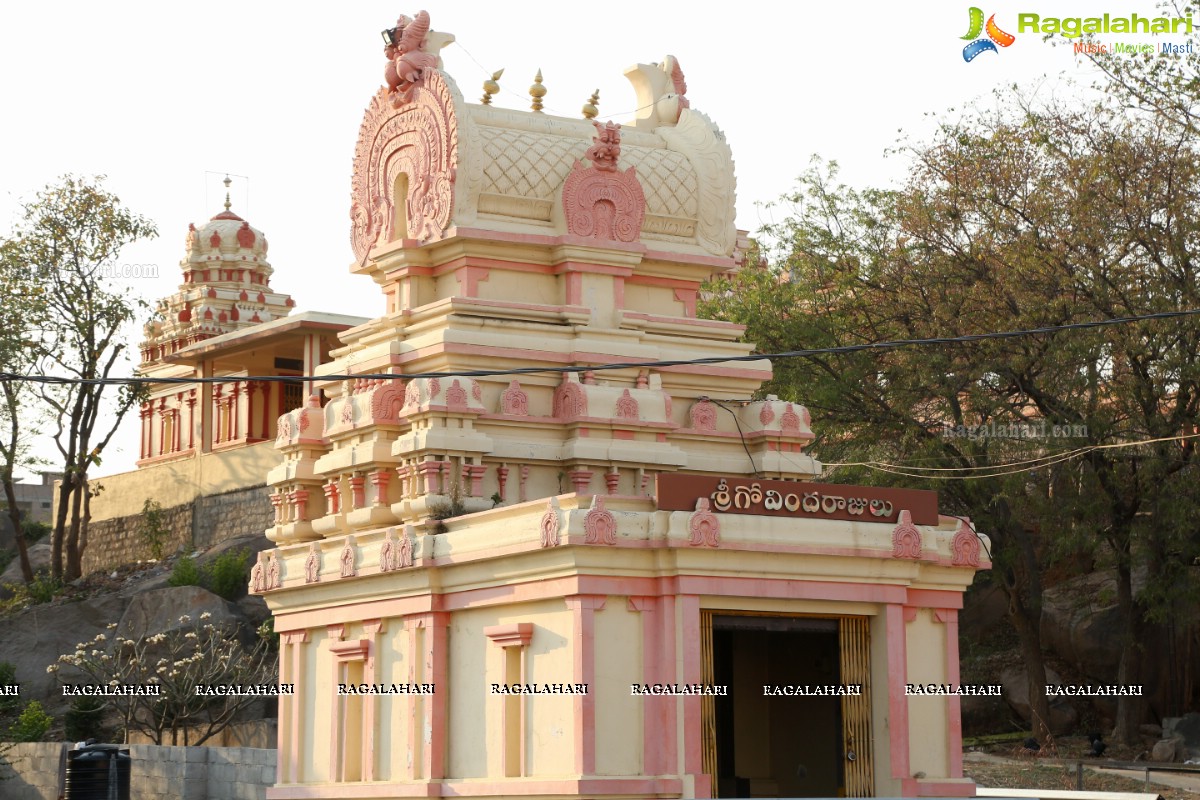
(39, 559)
(1063, 717)
(35, 638)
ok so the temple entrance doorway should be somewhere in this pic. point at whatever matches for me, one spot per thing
(784, 730)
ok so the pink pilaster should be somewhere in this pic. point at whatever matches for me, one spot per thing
(949, 617)
(427, 726)
(372, 629)
(693, 713)
(581, 479)
(291, 661)
(331, 496)
(502, 480)
(379, 478)
(659, 721)
(357, 496)
(477, 471)
(583, 610)
(896, 635)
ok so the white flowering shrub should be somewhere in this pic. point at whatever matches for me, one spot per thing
(173, 664)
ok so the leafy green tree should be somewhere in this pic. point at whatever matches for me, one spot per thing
(1006, 223)
(65, 239)
(22, 314)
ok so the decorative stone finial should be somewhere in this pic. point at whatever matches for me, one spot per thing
(589, 108)
(227, 203)
(491, 87)
(537, 91)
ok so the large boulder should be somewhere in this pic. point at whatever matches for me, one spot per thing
(36, 637)
(39, 559)
(159, 611)
(1081, 623)
(1168, 750)
(1187, 730)
(1063, 717)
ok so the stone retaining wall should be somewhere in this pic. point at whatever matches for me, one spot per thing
(192, 526)
(157, 773)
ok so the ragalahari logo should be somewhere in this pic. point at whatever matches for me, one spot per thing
(995, 36)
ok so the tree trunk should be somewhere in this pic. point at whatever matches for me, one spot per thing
(14, 516)
(1130, 709)
(71, 570)
(65, 490)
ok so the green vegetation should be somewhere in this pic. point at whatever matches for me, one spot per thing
(32, 725)
(226, 575)
(152, 529)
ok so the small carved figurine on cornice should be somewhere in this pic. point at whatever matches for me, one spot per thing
(606, 151)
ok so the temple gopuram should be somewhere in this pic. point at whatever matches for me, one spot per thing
(522, 550)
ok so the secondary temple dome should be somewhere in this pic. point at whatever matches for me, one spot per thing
(226, 286)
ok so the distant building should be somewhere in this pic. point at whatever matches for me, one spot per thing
(576, 581)
(35, 500)
(199, 441)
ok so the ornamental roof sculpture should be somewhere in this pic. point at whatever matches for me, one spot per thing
(461, 166)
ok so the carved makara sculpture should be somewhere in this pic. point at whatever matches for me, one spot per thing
(407, 58)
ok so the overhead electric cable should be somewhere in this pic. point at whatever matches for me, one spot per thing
(683, 362)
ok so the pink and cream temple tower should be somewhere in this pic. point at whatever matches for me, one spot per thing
(573, 581)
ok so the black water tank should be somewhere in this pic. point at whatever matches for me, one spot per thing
(98, 772)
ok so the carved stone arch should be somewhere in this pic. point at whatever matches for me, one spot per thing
(418, 140)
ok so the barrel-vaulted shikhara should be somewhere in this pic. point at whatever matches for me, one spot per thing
(507, 585)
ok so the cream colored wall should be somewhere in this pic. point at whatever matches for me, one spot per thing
(317, 712)
(657, 300)
(927, 715)
(178, 482)
(475, 715)
(619, 656)
(885, 784)
(549, 737)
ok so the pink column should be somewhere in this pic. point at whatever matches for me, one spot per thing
(659, 723)
(693, 710)
(380, 479)
(949, 617)
(897, 663)
(583, 609)
(356, 490)
(372, 628)
(290, 723)
(502, 480)
(191, 404)
(235, 408)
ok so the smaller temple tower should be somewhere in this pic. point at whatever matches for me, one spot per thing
(226, 289)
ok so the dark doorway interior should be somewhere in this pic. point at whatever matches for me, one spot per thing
(777, 746)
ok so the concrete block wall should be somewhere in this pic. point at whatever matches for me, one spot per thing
(157, 773)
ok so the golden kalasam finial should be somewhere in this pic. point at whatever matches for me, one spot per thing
(589, 108)
(537, 91)
(491, 87)
(227, 182)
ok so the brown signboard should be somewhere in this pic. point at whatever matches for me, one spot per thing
(678, 492)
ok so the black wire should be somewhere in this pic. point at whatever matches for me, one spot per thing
(683, 362)
(741, 435)
(982, 541)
